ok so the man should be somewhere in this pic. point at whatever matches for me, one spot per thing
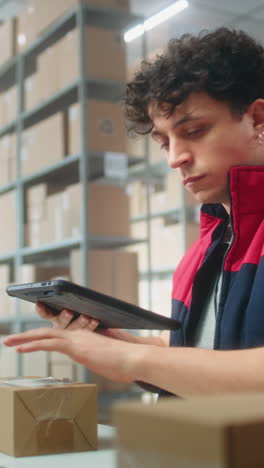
(203, 101)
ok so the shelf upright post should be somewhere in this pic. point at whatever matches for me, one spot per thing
(84, 151)
(84, 163)
(148, 197)
(17, 325)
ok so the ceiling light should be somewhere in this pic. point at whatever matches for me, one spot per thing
(154, 20)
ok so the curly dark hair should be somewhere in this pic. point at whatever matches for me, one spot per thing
(227, 64)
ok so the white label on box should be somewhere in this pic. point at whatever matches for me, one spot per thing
(116, 165)
(73, 113)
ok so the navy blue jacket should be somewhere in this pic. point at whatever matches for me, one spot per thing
(240, 314)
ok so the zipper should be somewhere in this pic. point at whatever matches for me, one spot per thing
(221, 276)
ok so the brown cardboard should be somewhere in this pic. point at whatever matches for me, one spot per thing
(7, 158)
(9, 105)
(106, 127)
(112, 272)
(7, 37)
(223, 431)
(32, 91)
(47, 419)
(43, 144)
(49, 72)
(38, 15)
(110, 64)
(108, 211)
(7, 305)
(8, 213)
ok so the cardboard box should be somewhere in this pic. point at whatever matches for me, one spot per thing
(108, 211)
(223, 431)
(106, 127)
(8, 38)
(39, 15)
(8, 213)
(58, 216)
(112, 272)
(44, 419)
(7, 159)
(7, 305)
(110, 64)
(43, 144)
(8, 105)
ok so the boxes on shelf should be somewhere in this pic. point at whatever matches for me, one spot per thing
(110, 64)
(8, 38)
(112, 272)
(38, 227)
(106, 127)
(43, 144)
(8, 105)
(7, 305)
(58, 216)
(8, 214)
(167, 244)
(47, 417)
(221, 431)
(32, 91)
(39, 15)
(7, 158)
(28, 273)
(137, 192)
(108, 211)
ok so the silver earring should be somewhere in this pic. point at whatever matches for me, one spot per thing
(261, 138)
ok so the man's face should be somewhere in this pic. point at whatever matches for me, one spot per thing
(203, 140)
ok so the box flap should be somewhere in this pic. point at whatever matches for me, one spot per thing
(85, 403)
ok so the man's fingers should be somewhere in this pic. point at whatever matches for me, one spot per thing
(33, 335)
(52, 344)
(83, 322)
(59, 321)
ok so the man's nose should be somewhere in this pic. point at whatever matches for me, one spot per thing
(177, 156)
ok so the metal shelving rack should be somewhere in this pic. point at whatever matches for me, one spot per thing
(86, 166)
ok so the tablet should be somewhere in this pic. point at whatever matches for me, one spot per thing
(111, 312)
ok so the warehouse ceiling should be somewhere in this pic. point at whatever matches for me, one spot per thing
(207, 14)
(201, 14)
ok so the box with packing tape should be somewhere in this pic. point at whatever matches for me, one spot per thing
(42, 416)
(217, 431)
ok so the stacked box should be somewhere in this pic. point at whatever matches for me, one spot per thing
(108, 211)
(38, 15)
(29, 273)
(8, 38)
(7, 304)
(9, 229)
(112, 272)
(56, 216)
(7, 159)
(106, 127)
(8, 105)
(43, 144)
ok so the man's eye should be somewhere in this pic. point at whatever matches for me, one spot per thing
(165, 147)
(195, 131)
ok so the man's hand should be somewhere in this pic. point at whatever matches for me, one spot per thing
(106, 356)
(64, 319)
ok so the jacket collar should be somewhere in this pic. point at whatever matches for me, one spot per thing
(246, 189)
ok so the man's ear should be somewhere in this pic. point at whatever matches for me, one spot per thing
(256, 111)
